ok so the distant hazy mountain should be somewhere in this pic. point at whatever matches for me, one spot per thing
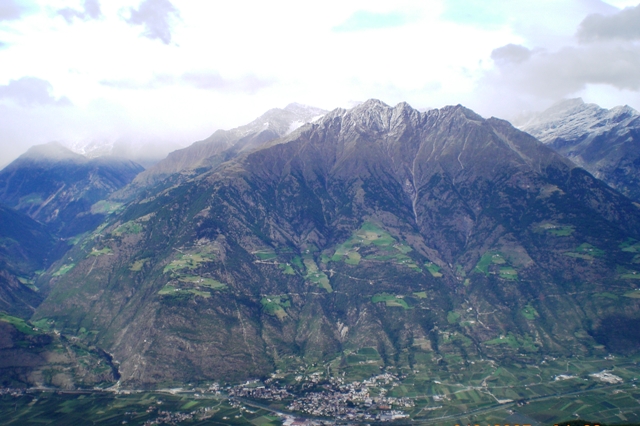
(224, 145)
(143, 153)
(430, 237)
(60, 188)
(605, 142)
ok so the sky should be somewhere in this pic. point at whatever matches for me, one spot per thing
(160, 73)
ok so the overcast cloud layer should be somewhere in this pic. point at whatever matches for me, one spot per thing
(169, 71)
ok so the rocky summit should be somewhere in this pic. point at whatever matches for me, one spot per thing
(427, 240)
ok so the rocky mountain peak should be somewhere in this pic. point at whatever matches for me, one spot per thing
(304, 110)
(376, 116)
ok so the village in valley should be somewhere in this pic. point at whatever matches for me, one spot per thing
(331, 399)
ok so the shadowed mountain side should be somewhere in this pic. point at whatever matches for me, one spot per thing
(25, 248)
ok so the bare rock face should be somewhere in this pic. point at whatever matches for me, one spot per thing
(604, 142)
(410, 232)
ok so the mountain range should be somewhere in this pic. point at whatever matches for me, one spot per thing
(462, 259)
(604, 142)
(424, 235)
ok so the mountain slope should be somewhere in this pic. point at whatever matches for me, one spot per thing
(25, 248)
(605, 142)
(224, 145)
(33, 356)
(57, 187)
(427, 236)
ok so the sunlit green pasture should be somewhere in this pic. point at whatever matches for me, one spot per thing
(275, 305)
(390, 300)
(188, 261)
(316, 276)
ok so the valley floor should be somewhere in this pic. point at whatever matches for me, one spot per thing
(602, 390)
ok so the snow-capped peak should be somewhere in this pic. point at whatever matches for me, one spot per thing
(573, 117)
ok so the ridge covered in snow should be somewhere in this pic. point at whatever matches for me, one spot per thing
(606, 142)
(574, 118)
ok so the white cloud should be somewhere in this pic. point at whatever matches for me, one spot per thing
(12, 10)
(624, 25)
(31, 91)
(199, 66)
(90, 10)
(600, 62)
(157, 17)
(205, 80)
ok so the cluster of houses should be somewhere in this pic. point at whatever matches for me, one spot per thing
(332, 398)
(351, 402)
(260, 392)
(170, 417)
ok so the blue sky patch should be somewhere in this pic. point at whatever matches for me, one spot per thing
(365, 20)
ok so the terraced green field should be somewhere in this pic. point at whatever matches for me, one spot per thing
(557, 230)
(203, 282)
(453, 317)
(100, 252)
(488, 259)
(585, 251)
(525, 342)
(188, 261)
(275, 305)
(433, 269)
(316, 276)
(390, 300)
(379, 246)
(18, 323)
(170, 290)
(138, 264)
(106, 207)
(530, 313)
(508, 273)
(130, 227)
(64, 269)
(106, 408)
(630, 246)
(266, 254)
(286, 269)
(635, 294)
